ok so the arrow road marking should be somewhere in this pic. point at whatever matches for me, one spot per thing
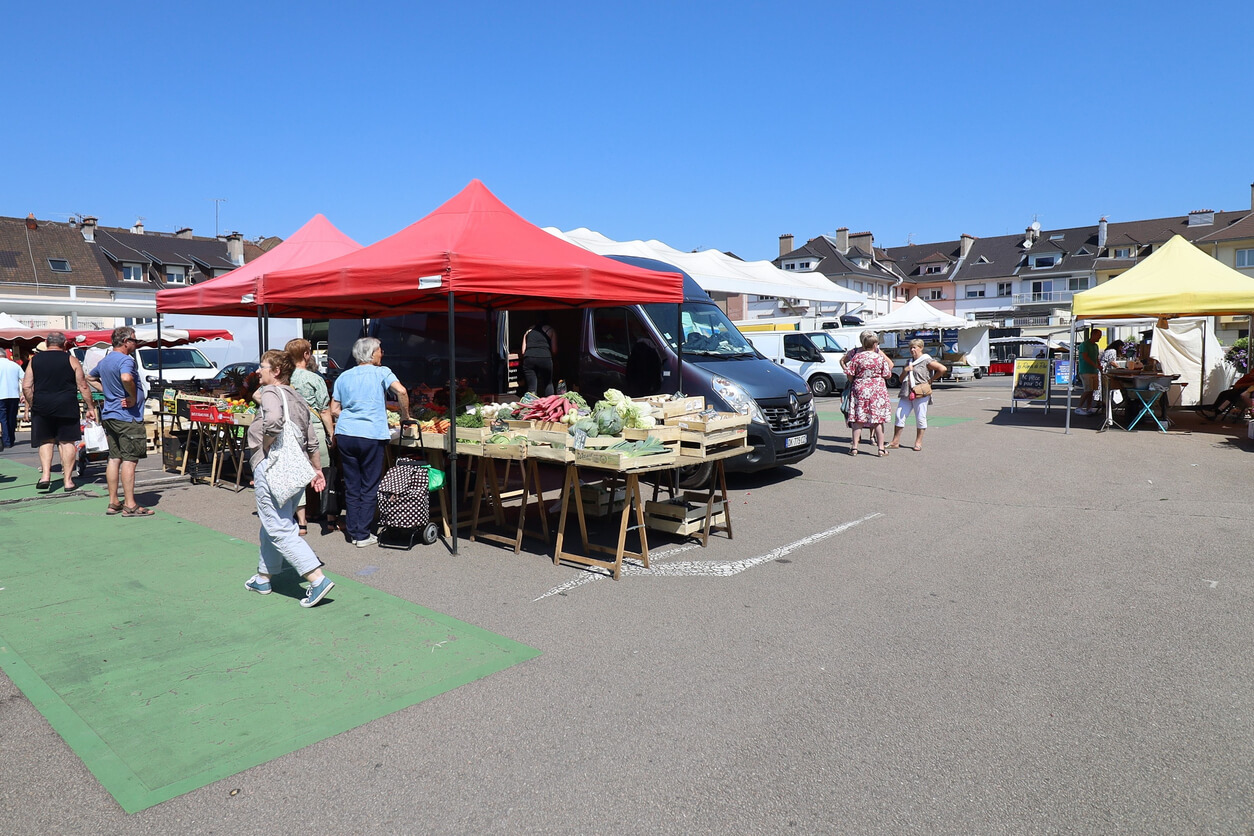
(707, 568)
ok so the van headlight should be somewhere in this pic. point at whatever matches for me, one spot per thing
(738, 399)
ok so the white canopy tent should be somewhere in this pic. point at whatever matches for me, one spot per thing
(718, 272)
(917, 314)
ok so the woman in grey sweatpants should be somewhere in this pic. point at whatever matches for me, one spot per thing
(280, 540)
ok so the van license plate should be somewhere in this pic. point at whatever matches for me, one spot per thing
(796, 441)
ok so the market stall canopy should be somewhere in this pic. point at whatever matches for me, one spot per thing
(13, 332)
(146, 335)
(475, 247)
(235, 293)
(1176, 280)
(718, 272)
(918, 314)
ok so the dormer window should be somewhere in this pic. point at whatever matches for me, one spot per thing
(1123, 252)
(1057, 236)
(132, 272)
(983, 260)
(1041, 261)
(175, 274)
(932, 269)
(59, 265)
(1083, 251)
(863, 263)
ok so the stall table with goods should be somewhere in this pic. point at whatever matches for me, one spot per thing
(1144, 394)
(217, 429)
(604, 451)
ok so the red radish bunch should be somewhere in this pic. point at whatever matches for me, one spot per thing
(552, 408)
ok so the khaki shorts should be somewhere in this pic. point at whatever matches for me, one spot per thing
(1092, 382)
(126, 440)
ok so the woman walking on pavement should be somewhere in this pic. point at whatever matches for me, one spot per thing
(53, 381)
(921, 369)
(280, 541)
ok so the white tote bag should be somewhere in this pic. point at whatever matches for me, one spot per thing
(288, 470)
(94, 438)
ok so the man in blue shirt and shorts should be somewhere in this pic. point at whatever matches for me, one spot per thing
(117, 375)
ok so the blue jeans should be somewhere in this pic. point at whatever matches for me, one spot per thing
(361, 459)
(8, 421)
(279, 539)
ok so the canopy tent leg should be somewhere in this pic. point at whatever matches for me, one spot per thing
(450, 478)
(160, 382)
(1071, 377)
(679, 353)
(261, 330)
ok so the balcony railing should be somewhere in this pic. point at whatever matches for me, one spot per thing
(1045, 297)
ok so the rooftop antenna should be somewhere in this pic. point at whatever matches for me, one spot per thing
(217, 201)
(909, 239)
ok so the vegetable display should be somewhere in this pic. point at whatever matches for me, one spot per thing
(646, 447)
(551, 408)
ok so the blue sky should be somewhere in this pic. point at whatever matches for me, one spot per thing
(704, 125)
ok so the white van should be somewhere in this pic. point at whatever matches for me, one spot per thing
(798, 353)
(181, 363)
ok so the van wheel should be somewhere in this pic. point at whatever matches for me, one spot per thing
(894, 381)
(822, 386)
(697, 476)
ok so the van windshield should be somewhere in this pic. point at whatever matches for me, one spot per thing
(173, 358)
(707, 330)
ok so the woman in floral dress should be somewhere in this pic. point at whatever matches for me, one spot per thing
(869, 406)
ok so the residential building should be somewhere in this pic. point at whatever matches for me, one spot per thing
(851, 261)
(78, 274)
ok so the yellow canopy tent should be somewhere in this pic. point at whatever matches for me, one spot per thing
(1178, 280)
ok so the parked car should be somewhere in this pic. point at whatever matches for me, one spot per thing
(798, 353)
(173, 364)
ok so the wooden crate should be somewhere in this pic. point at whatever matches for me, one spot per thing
(614, 460)
(550, 453)
(683, 518)
(709, 422)
(553, 438)
(662, 432)
(671, 408)
(471, 433)
(514, 450)
(700, 447)
(470, 448)
(600, 500)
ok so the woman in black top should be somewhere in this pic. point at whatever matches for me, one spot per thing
(539, 347)
(53, 378)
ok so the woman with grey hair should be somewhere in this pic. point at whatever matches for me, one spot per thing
(53, 377)
(920, 370)
(869, 407)
(359, 409)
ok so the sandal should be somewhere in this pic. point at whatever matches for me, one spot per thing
(853, 451)
(137, 511)
(302, 530)
(114, 508)
(883, 452)
(43, 484)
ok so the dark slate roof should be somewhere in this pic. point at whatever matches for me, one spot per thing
(1004, 255)
(1159, 230)
(832, 263)
(934, 258)
(1231, 231)
(909, 257)
(50, 239)
(162, 248)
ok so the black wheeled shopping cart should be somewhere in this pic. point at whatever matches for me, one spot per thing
(405, 505)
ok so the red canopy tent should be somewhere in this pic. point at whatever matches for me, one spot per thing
(475, 248)
(472, 252)
(235, 294)
(147, 336)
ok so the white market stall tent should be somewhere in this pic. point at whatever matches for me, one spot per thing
(917, 315)
(717, 272)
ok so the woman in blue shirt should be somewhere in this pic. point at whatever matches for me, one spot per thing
(359, 409)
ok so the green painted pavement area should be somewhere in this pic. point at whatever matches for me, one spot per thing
(17, 481)
(137, 641)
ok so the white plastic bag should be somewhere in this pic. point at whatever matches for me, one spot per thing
(94, 438)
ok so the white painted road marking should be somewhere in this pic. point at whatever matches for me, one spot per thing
(708, 568)
(1213, 584)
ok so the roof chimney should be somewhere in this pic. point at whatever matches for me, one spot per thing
(235, 249)
(965, 245)
(864, 241)
(1101, 232)
(31, 223)
(138, 228)
(785, 243)
(842, 240)
(1252, 195)
(89, 229)
(185, 232)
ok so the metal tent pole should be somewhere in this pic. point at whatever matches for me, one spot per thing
(1071, 377)
(679, 366)
(451, 479)
(160, 382)
(261, 331)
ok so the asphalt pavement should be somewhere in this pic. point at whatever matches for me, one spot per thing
(1016, 630)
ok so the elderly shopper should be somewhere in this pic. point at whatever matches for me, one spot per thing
(313, 390)
(920, 370)
(359, 408)
(869, 406)
(53, 381)
(280, 542)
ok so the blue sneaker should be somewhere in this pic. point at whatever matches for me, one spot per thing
(316, 592)
(256, 584)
